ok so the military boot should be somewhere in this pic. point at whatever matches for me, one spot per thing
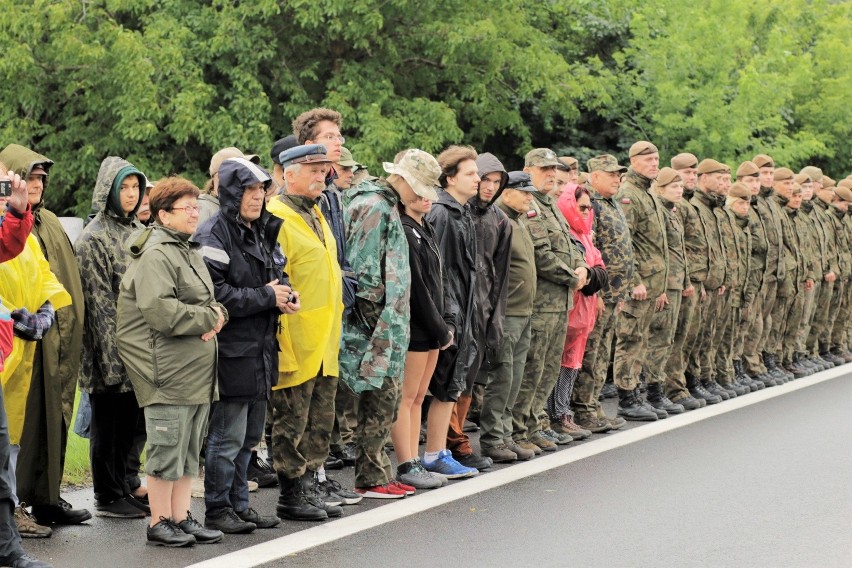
(313, 495)
(630, 408)
(687, 401)
(746, 379)
(661, 414)
(834, 359)
(293, 503)
(803, 361)
(697, 390)
(658, 399)
(842, 352)
(776, 373)
(793, 369)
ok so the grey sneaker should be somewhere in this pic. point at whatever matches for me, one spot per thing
(413, 473)
(560, 439)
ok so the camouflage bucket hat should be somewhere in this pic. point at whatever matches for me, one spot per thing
(605, 163)
(541, 157)
(420, 169)
(346, 159)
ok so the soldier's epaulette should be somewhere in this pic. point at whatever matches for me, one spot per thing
(532, 214)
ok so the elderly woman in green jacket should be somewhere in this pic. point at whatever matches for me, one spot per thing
(168, 319)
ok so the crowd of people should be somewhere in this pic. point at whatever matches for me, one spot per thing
(342, 314)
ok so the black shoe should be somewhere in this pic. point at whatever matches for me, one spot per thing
(293, 503)
(168, 533)
(262, 521)
(260, 472)
(315, 492)
(60, 514)
(139, 504)
(609, 390)
(119, 509)
(713, 388)
(202, 535)
(346, 454)
(698, 392)
(333, 462)
(25, 561)
(658, 399)
(229, 523)
(630, 408)
(474, 460)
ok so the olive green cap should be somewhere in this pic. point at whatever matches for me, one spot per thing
(710, 166)
(739, 190)
(763, 161)
(812, 172)
(782, 174)
(642, 148)
(748, 168)
(667, 176)
(684, 160)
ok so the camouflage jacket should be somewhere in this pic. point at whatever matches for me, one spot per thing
(103, 256)
(646, 217)
(826, 234)
(694, 240)
(556, 256)
(376, 331)
(846, 222)
(678, 266)
(773, 217)
(705, 206)
(743, 293)
(611, 234)
(759, 247)
(844, 246)
(812, 240)
(734, 280)
(794, 260)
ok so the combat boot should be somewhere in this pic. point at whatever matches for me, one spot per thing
(746, 379)
(630, 408)
(314, 495)
(688, 402)
(714, 388)
(772, 368)
(803, 361)
(795, 370)
(841, 352)
(660, 401)
(661, 414)
(293, 503)
(826, 363)
(835, 359)
(697, 390)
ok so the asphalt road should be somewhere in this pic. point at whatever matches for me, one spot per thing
(765, 485)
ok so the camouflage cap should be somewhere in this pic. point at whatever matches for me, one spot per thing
(541, 157)
(642, 148)
(844, 193)
(667, 176)
(567, 163)
(748, 168)
(520, 181)
(420, 169)
(827, 181)
(782, 174)
(346, 159)
(684, 160)
(605, 163)
(763, 161)
(710, 166)
(739, 190)
(812, 172)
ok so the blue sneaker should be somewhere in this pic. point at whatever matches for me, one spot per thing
(449, 467)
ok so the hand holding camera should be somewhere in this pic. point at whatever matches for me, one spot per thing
(14, 190)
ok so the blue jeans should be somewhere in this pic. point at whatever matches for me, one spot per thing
(235, 428)
(10, 541)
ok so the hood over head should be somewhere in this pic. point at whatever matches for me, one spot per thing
(235, 174)
(485, 164)
(105, 196)
(22, 160)
(567, 204)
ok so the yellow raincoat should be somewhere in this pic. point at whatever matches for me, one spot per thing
(25, 282)
(309, 339)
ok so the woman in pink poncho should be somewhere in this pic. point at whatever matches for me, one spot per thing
(576, 206)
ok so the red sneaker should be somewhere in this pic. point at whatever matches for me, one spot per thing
(409, 489)
(381, 492)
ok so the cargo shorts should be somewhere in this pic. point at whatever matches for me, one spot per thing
(175, 434)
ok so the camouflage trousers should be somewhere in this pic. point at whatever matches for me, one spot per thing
(631, 342)
(723, 342)
(345, 417)
(685, 336)
(377, 410)
(504, 382)
(808, 312)
(759, 323)
(661, 335)
(302, 417)
(544, 358)
(702, 356)
(839, 335)
(820, 335)
(787, 318)
(741, 320)
(590, 381)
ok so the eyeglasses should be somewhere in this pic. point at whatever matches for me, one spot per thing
(189, 209)
(330, 137)
(584, 208)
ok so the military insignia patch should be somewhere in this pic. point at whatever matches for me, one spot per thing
(626, 201)
(531, 214)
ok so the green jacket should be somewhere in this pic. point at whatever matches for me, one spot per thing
(522, 276)
(646, 216)
(773, 216)
(844, 246)
(678, 264)
(705, 205)
(794, 259)
(694, 241)
(759, 246)
(164, 307)
(743, 294)
(827, 233)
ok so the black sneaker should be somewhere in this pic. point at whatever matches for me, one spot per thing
(475, 461)
(345, 455)
(262, 521)
(25, 561)
(332, 490)
(139, 504)
(229, 523)
(119, 509)
(60, 514)
(260, 472)
(202, 535)
(168, 533)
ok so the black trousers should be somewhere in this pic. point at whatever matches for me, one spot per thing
(114, 425)
(10, 541)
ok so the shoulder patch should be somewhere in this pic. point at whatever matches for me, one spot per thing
(215, 254)
(532, 214)
(626, 200)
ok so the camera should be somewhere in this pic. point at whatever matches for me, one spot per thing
(5, 187)
(291, 298)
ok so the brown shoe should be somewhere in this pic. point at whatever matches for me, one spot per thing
(592, 423)
(27, 525)
(500, 454)
(615, 422)
(525, 444)
(569, 426)
(522, 453)
(539, 440)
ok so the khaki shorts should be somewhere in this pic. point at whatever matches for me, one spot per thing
(175, 434)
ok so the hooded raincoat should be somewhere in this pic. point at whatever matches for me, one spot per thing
(242, 260)
(581, 318)
(102, 258)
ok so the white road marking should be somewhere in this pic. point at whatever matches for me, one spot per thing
(331, 531)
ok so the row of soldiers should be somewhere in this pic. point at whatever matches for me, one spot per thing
(738, 285)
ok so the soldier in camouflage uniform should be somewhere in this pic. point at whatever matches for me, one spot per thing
(828, 202)
(706, 200)
(683, 381)
(669, 187)
(560, 269)
(612, 237)
(839, 331)
(646, 217)
(376, 332)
